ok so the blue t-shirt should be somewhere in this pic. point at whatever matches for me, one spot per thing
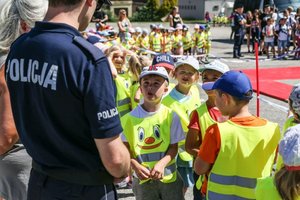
(63, 96)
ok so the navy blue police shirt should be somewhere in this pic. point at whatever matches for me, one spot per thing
(237, 19)
(63, 96)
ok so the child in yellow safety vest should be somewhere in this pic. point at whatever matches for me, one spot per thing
(135, 66)
(207, 43)
(166, 41)
(177, 44)
(200, 41)
(239, 150)
(286, 182)
(294, 119)
(151, 133)
(201, 118)
(183, 100)
(144, 41)
(186, 40)
(156, 40)
(116, 56)
(195, 35)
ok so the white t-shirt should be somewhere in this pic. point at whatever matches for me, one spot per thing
(269, 33)
(283, 32)
(177, 133)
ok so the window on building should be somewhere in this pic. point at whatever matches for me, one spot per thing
(215, 8)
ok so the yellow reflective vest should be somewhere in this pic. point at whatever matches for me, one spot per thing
(266, 189)
(149, 139)
(183, 109)
(205, 121)
(246, 153)
(133, 90)
(156, 42)
(187, 41)
(123, 95)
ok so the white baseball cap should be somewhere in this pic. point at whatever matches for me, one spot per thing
(216, 65)
(188, 60)
(289, 148)
(154, 70)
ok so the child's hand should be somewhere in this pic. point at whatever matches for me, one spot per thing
(157, 172)
(142, 172)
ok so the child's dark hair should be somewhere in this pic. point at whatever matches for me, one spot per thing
(287, 183)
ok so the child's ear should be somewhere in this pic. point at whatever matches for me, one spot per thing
(24, 27)
(166, 88)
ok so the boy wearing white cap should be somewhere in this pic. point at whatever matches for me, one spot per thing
(238, 151)
(152, 132)
(183, 100)
(286, 183)
(202, 117)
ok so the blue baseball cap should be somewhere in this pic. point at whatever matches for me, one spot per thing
(235, 83)
(163, 60)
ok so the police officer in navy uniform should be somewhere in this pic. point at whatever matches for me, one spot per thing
(239, 22)
(63, 102)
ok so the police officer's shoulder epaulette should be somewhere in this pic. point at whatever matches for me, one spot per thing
(95, 52)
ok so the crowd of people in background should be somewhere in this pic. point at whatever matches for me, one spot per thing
(177, 39)
(270, 29)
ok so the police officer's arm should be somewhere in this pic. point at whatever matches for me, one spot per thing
(100, 108)
(8, 132)
(114, 155)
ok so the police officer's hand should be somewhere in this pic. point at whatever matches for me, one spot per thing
(142, 172)
(157, 172)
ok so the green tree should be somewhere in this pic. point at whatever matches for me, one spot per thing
(167, 6)
(148, 12)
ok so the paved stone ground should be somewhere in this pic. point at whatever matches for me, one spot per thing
(270, 108)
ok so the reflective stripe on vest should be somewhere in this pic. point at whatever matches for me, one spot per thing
(216, 196)
(246, 153)
(149, 139)
(233, 180)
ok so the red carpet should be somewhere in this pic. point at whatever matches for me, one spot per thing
(271, 81)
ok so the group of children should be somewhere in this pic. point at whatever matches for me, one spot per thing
(176, 141)
(176, 41)
(282, 33)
